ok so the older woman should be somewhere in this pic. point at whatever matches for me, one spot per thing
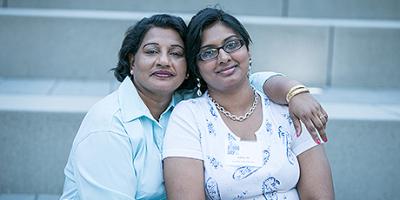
(116, 153)
(233, 142)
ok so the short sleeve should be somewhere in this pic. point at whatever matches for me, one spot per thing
(182, 136)
(300, 143)
(303, 142)
(258, 79)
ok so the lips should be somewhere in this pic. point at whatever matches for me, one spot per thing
(163, 74)
(227, 70)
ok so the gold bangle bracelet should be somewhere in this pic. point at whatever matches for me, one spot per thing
(296, 87)
(296, 92)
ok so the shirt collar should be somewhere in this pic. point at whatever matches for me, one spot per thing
(132, 105)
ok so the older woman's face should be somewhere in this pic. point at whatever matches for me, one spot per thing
(159, 65)
(228, 70)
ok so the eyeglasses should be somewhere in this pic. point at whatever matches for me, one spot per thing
(229, 47)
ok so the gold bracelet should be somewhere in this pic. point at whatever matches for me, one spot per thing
(296, 87)
(296, 92)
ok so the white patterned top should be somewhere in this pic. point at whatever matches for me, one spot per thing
(196, 130)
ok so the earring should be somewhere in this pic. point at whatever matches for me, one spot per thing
(131, 69)
(199, 93)
(249, 70)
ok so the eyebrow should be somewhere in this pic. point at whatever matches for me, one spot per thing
(154, 43)
(177, 45)
(225, 40)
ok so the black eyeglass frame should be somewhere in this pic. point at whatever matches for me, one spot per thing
(241, 42)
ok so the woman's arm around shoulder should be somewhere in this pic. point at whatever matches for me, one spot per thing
(302, 106)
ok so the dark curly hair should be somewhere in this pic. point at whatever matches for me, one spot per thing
(203, 19)
(134, 37)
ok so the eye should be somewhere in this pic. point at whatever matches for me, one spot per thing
(208, 54)
(232, 45)
(151, 51)
(177, 53)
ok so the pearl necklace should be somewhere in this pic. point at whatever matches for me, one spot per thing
(232, 116)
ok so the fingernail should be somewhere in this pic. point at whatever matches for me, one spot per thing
(318, 141)
(325, 139)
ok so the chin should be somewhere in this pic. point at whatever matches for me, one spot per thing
(167, 88)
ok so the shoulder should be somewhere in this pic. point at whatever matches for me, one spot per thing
(191, 105)
(188, 113)
(107, 105)
(102, 117)
(273, 107)
(278, 113)
(102, 114)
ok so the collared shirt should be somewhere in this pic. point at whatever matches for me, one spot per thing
(116, 153)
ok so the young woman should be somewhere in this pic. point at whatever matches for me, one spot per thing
(233, 142)
(116, 153)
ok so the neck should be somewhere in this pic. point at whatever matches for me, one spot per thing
(237, 101)
(156, 103)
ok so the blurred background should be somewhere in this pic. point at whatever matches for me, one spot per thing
(55, 57)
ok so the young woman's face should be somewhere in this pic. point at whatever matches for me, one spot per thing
(226, 70)
(159, 65)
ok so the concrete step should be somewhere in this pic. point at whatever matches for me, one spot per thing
(39, 123)
(355, 9)
(349, 9)
(34, 149)
(28, 197)
(255, 7)
(57, 47)
(320, 52)
(364, 154)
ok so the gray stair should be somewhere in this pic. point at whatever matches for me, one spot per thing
(39, 119)
(364, 154)
(350, 9)
(255, 7)
(61, 46)
(28, 197)
(34, 149)
(84, 44)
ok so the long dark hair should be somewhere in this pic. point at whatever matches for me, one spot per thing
(203, 19)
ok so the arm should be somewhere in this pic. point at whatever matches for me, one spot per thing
(103, 167)
(302, 107)
(315, 175)
(182, 153)
(184, 178)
